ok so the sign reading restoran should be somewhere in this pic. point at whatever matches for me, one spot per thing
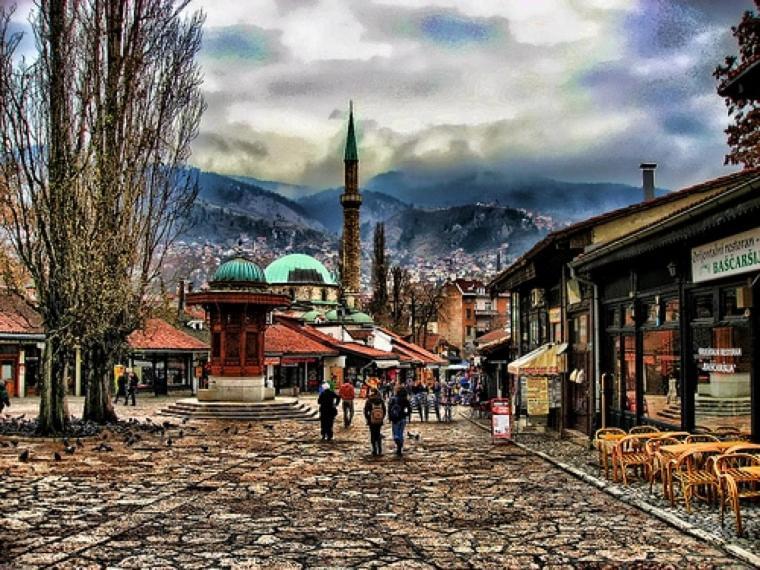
(737, 254)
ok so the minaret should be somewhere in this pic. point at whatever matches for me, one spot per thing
(351, 201)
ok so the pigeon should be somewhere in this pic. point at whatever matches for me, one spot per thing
(225, 430)
(70, 449)
(181, 434)
(268, 426)
(56, 456)
(14, 443)
(204, 448)
(169, 442)
(250, 425)
(66, 441)
(184, 421)
(79, 443)
(4, 444)
(24, 456)
(235, 431)
(411, 435)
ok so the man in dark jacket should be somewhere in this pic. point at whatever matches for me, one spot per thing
(328, 409)
(399, 411)
(374, 413)
(4, 397)
(132, 388)
(121, 388)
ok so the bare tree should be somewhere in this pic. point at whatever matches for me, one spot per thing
(96, 133)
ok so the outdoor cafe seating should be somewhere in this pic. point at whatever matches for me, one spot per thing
(721, 466)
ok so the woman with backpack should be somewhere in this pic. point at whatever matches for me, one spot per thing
(374, 413)
(399, 410)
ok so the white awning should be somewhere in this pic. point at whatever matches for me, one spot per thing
(387, 363)
(543, 361)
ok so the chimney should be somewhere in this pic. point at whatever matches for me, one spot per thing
(647, 171)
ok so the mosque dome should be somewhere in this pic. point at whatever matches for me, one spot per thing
(239, 271)
(351, 317)
(298, 268)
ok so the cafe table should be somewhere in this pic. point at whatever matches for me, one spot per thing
(669, 452)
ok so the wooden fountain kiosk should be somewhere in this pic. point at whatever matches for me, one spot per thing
(236, 304)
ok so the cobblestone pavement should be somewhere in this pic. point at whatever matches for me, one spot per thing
(274, 496)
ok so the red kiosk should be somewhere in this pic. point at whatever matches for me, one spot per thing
(236, 304)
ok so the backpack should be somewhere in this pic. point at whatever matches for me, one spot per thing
(376, 414)
(395, 411)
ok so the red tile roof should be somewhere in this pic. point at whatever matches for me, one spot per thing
(728, 181)
(425, 356)
(16, 317)
(160, 335)
(280, 339)
(491, 336)
(367, 351)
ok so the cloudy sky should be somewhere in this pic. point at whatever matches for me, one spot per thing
(579, 90)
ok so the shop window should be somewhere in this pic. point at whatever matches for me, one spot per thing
(729, 305)
(557, 332)
(652, 312)
(661, 374)
(613, 317)
(628, 373)
(702, 306)
(723, 356)
(216, 345)
(672, 311)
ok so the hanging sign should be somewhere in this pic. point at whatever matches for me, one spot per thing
(501, 419)
(737, 254)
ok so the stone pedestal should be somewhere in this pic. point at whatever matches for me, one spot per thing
(236, 389)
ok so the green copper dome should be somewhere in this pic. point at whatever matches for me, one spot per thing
(355, 317)
(360, 318)
(311, 316)
(298, 268)
(239, 270)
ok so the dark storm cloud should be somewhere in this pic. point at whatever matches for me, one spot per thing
(233, 146)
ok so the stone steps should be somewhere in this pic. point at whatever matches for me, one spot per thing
(253, 411)
(723, 407)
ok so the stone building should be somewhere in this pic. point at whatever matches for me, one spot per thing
(468, 311)
(351, 201)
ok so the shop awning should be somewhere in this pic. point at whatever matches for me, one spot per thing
(543, 361)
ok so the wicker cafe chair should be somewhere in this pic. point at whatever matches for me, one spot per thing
(751, 448)
(727, 429)
(692, 476)
(656, 462)
(679, 435)
(734, 485)
(643, 429)
(702, 438)
(602, 446)
(629, 452)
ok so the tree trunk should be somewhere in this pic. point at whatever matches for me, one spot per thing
(98, 406)
(53, 418)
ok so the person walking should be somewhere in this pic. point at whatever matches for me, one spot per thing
(5, 399)
(374, 413)
(347, 394)
(420, 395)
(121, 388)
(399, 411)
(328, 402)
(132, 389)
(436, 396)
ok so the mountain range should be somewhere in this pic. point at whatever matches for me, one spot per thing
(473, 211)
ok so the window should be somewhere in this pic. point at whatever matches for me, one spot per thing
(324, 294)
(662, 371)
(630, 320)
(216, 345)
(232, 346)
(672, 311)
(702, 306)
(729, 304)
(469, 331)
(468, 313)
(613, 317)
